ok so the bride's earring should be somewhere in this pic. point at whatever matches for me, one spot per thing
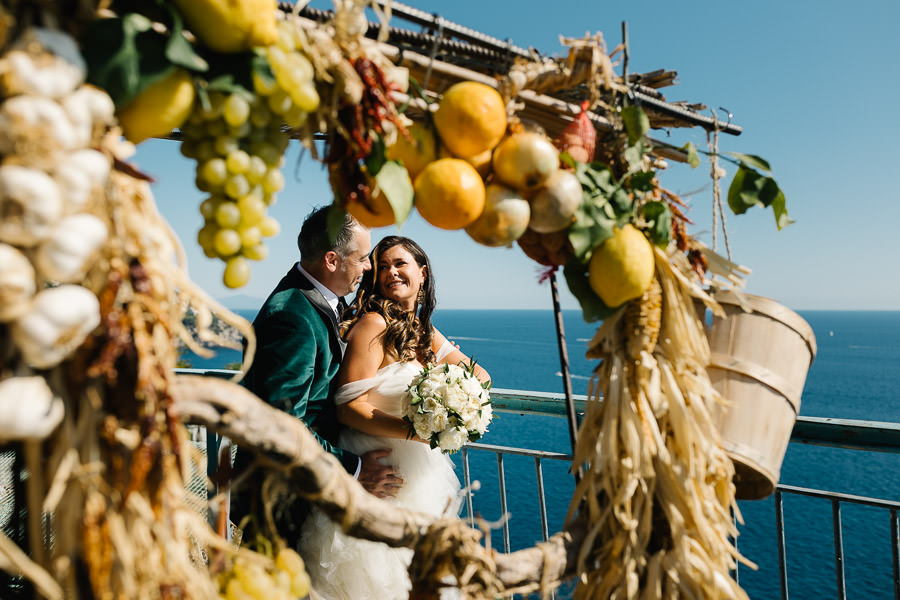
(420, 297)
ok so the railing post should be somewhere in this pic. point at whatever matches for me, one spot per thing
(838, 549)
(895, 551)
(501, 477)
(467, 481)
(564, 367)
(782, 551)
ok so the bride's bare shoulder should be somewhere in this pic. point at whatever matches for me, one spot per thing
(369, 325)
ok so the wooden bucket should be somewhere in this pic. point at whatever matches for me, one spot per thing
(758, 363)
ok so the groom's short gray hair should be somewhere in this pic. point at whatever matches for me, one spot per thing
(314, 241)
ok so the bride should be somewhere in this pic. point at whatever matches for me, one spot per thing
(389, 339)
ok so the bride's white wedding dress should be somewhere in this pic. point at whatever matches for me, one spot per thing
(346, 568)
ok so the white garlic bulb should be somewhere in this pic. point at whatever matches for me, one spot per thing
(79, 175)
(64, 255)
(57, 322)
(30, 205)
(16, 283)
(44, 62)
(91, 111)
(28, 409)
(36, 130)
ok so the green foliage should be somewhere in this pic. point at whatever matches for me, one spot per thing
(126, 55)
(693, 157)
(753, 185)
(394, 181)
(605, 205)
(592, 307)
(658, 215)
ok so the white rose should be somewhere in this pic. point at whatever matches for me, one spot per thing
(470, 418)
(440, 420)
(472, 387)
(455, 399)
(432, 404)
(422, 425)
(452, 439)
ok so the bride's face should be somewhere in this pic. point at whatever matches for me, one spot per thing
(399, 276)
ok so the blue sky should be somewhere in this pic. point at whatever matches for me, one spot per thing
(813, 84)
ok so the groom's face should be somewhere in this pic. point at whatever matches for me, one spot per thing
(353, 266)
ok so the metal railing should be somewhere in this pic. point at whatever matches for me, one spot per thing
(839, 433)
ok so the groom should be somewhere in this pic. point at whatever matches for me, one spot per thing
(298, 354)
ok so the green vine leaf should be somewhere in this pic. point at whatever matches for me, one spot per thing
(592, 307)
(659, 218)
(752, 161)
(693, 157)
(750, 188)
(393, 180)
(125, 56)
(636, 122)
(178, 50)
(377, 156)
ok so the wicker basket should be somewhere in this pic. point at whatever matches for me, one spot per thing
(760, 355)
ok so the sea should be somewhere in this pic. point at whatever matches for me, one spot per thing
(855, 375)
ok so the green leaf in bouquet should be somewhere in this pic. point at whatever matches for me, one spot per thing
(659, 217)
(636, 123)
(693, 157)
(592, 307)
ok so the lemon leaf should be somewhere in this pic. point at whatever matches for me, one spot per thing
(594, 223)
(659, 216)
(636, 123)
(178, 50)
(125, 56)
(752, 161)
(592, 307)
(393, 179)
(693, 158)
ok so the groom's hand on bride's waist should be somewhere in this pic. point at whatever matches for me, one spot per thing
(377, 478)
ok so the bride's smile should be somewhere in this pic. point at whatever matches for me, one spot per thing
(399, 276)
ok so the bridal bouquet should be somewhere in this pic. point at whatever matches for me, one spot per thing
(447, 405)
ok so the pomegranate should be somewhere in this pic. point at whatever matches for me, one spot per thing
(526, 160)
(504, 219)
(553, 206)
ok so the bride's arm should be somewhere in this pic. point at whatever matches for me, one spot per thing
(362, 359)
(456, 356)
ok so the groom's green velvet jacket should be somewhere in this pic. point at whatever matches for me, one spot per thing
(297, 357)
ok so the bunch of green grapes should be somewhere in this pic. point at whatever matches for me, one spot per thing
(239, 141)
(250, 580)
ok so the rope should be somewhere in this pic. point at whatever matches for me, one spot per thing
(712, 141)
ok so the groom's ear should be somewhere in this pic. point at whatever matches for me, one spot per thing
(332, 261)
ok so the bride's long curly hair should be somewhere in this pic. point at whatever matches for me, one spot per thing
(409, 333)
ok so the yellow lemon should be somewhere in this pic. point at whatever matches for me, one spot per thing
(159, 109)
(449, 193)
(414, 153)
(471, 118)
(231, 25)
(621, 268)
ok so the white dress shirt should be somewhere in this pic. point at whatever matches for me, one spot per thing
(332, 299)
